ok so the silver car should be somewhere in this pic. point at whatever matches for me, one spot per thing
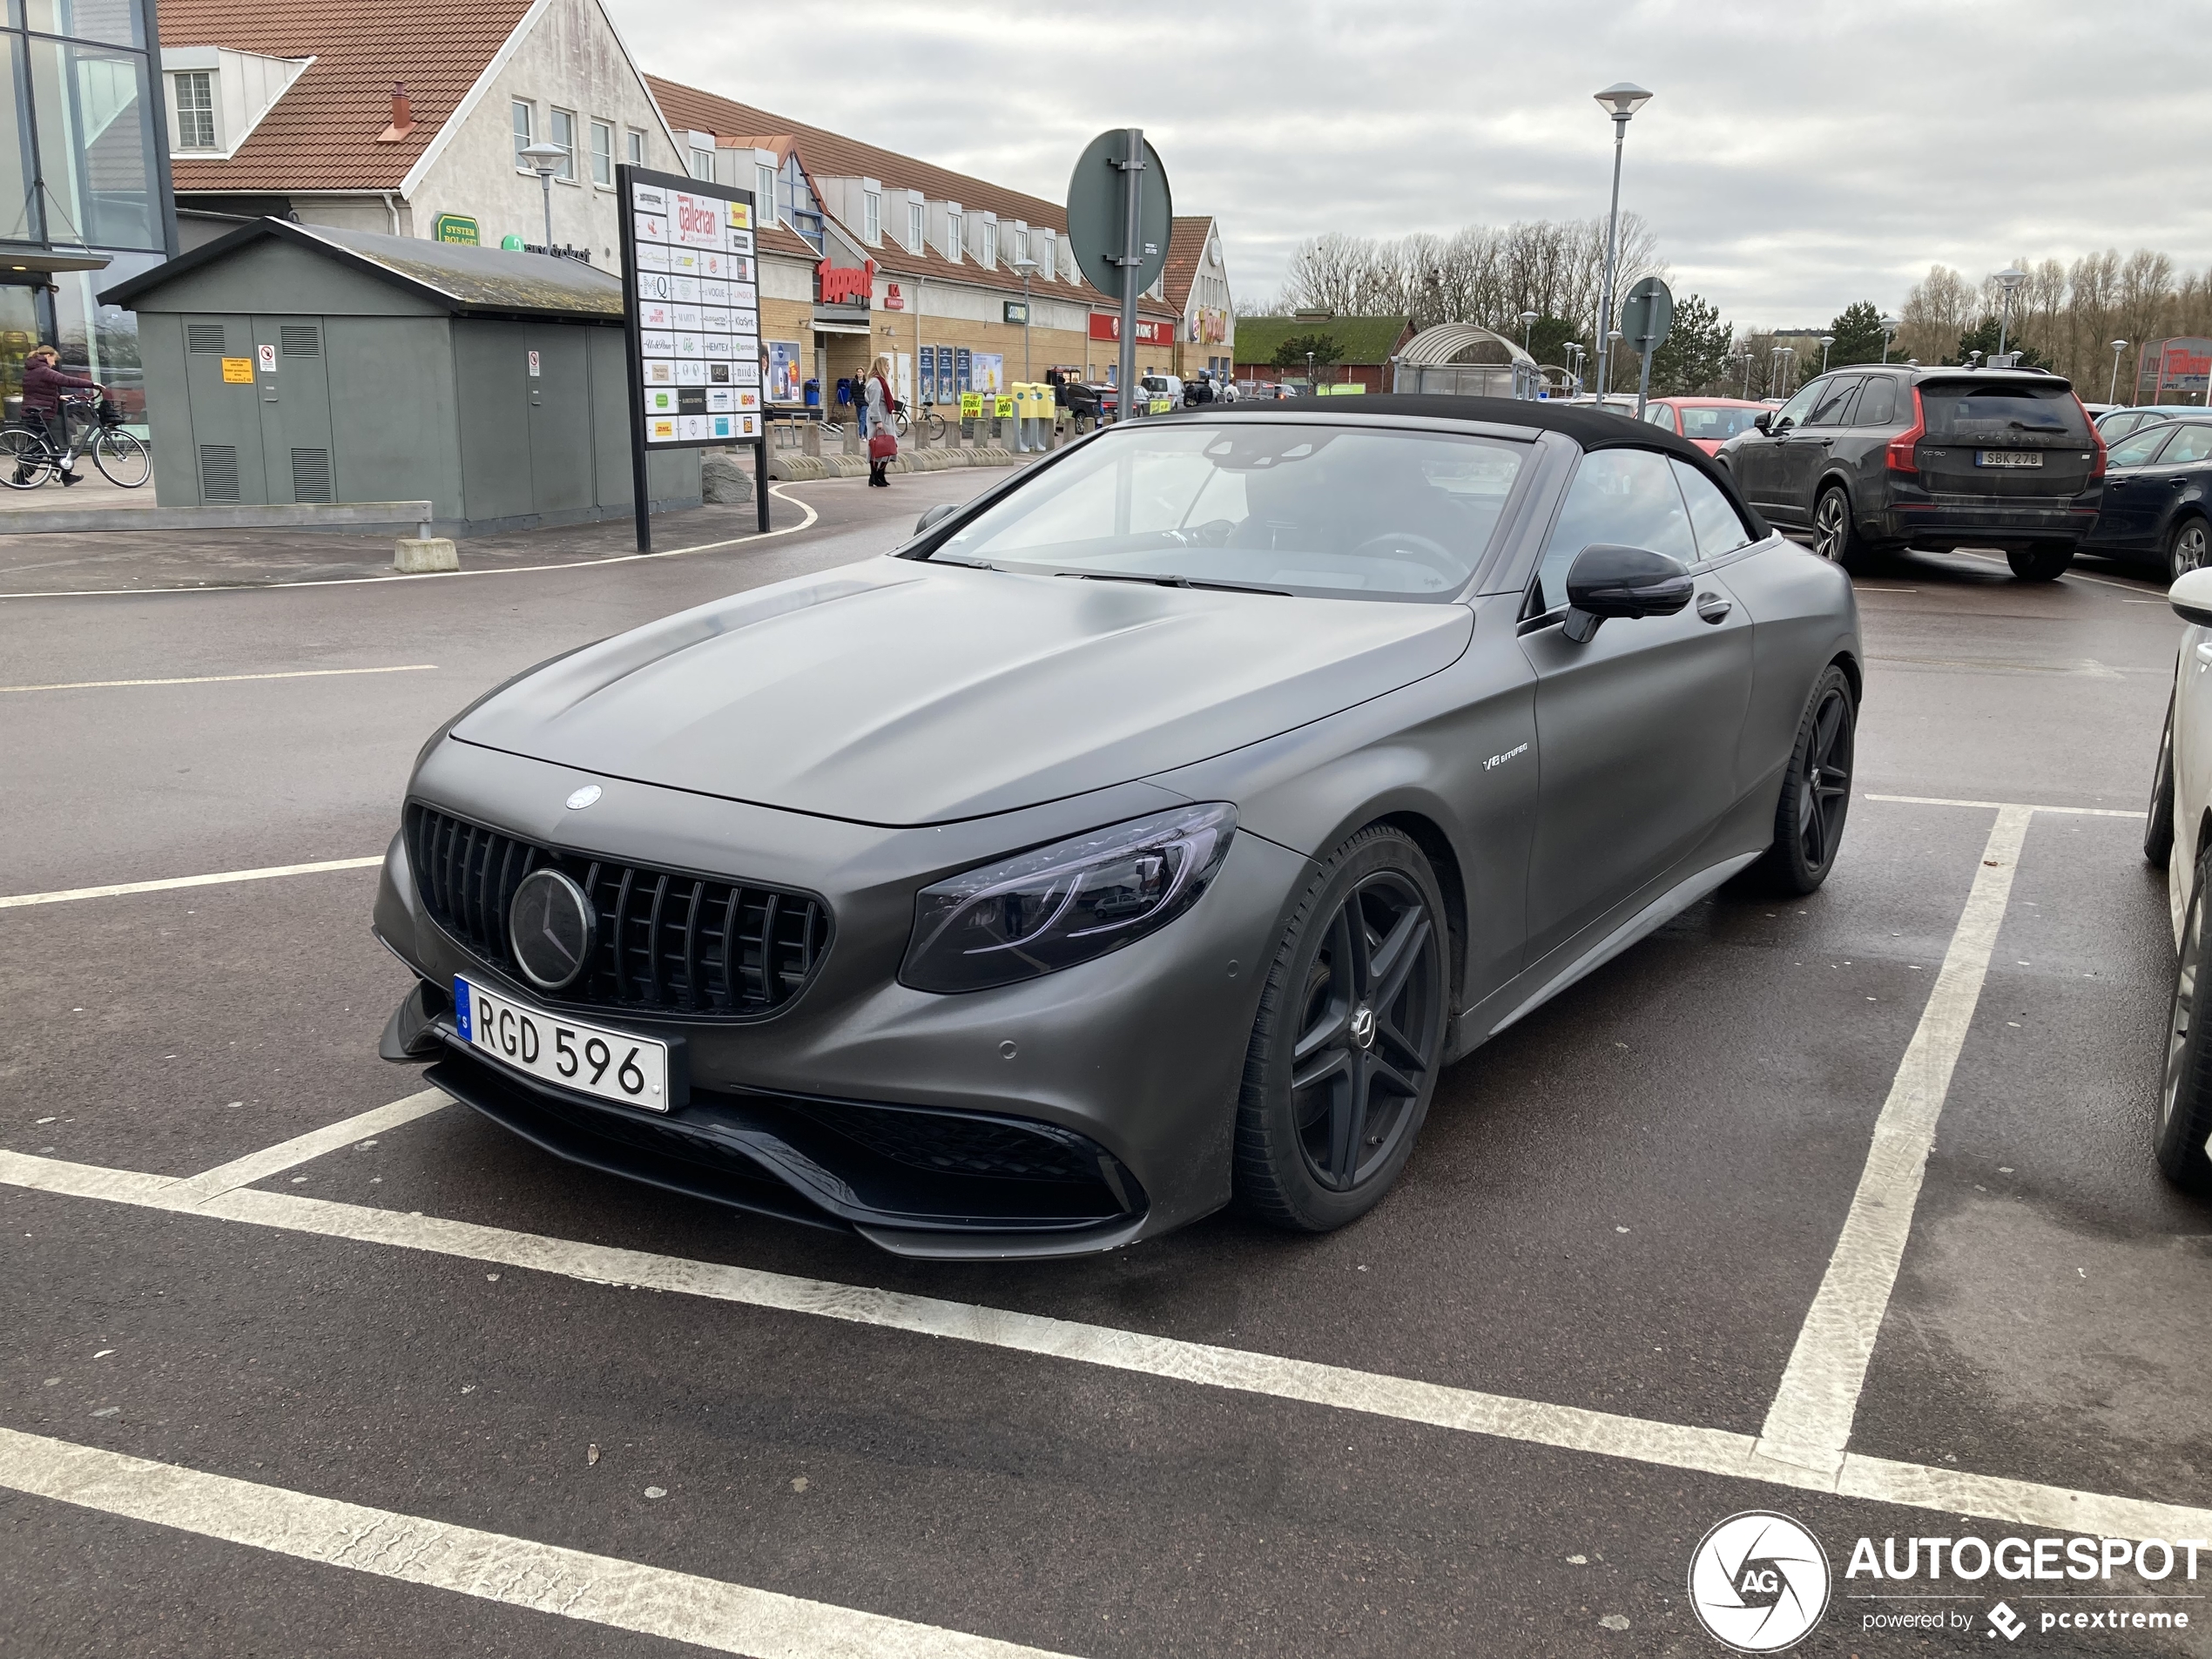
(1144, 836)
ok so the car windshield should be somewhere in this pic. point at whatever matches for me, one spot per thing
(2002, 412)
(1713, 425)
(1288, 507)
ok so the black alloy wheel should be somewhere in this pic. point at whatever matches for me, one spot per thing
(1833, 537)
(2158, 822)
(2187, 548)
(2045, 562)
(2185, 1096)
(1816, 791)
(1349, 1038)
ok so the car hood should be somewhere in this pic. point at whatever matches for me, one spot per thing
(901, 692)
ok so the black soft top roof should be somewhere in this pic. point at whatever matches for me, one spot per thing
(1592, 428)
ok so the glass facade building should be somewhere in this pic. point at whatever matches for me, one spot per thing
(84, 193)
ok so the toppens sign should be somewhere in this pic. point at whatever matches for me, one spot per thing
(839, 285)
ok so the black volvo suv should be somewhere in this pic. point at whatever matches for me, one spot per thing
(1874, 459)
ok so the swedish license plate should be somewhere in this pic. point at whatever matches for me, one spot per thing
(2008, 457)
(591, 1059)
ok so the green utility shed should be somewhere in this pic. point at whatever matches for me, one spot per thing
(298, 364)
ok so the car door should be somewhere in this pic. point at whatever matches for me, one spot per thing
(1757, 462)
(1884, 407)
(2174, 484)
(2133, 498)
(1805, 449)
(1637, 728)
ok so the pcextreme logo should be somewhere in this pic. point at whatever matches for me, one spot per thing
(1759, 1582)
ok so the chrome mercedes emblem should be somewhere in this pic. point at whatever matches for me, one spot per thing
(551, 927)
(1363, 1027)
(583, 798)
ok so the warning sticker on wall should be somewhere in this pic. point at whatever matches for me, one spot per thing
(268, 359)
(238, 371)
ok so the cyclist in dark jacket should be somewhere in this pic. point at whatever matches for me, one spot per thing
(43, 382)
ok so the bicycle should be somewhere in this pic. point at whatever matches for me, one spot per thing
(28, 459)
(931, 422)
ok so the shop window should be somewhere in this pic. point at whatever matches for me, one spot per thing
(195, 102)
(602, 154)
(117, 22)
(560, 131)
(95, 139)
(524, 119)
(872, 217)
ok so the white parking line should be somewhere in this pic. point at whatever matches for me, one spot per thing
(68, 895)
(518, 1572)
(218, 679)
(2007, 806)
(1375, 1394)
(1810, 1422)
(303, 1148)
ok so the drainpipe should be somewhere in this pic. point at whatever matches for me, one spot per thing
(393, 208)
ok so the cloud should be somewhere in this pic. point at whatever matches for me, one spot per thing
(1795, 159)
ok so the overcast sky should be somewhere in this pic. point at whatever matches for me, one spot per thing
(1797, 156)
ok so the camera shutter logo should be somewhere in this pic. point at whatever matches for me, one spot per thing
(1759, 1582)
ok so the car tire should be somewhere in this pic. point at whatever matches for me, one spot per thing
(2184, 1119)
(2158, 822)
(1815, 790)
(2045, 562)
(1835, 530)
(1349, 1038)
(2190, 548)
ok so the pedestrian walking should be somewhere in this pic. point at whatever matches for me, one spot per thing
(43, 382)
(883, 441)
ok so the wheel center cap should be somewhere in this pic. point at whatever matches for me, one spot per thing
(1363, 1027)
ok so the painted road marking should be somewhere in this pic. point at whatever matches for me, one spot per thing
(1810, 1422)
(519, 1572)
(275, 1160)
(218, 679)
(2007, 806)
(776, 491)
(70, 894)
(1374, 1394)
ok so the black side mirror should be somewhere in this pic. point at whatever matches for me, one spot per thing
(943, 510)
(1764, 420)
(1607, 580)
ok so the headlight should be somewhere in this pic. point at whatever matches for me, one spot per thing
(1066, 903)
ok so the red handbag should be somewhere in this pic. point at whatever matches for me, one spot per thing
(882, 446)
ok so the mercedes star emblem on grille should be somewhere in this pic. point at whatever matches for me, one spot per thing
(583, 798)
(551, 926)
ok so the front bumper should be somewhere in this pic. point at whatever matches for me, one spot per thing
(1074, 1112)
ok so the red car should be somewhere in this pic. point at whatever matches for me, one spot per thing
(1706, 421)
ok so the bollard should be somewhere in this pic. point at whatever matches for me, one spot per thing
(810, 441)
(420, 555)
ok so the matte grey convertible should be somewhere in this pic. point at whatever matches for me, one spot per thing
(1143, 836)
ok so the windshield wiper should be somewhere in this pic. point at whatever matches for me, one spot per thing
(1176, 582)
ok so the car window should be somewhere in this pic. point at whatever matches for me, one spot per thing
(1350, 512)
(1718, 526)
(1878, 403)
(1833, 407)
(1660, 415)
(1625, 497)
(1716, 424)
(1794, 410)
(2137, 450)
(2191, 442)
(2001, 412)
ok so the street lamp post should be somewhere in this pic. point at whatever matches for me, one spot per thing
(2008, 278)
(1621, 99)
(1826, 341)
(545, 160)
(1605, 372)
(1890, 326)
(1029, 268)
(1745, 357)
(1312, 390)
(1528, 322)
(2111, 391)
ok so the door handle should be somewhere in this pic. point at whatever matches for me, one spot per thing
(1712, 608)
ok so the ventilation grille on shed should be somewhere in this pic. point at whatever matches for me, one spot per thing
(207, 337)
(300, 339)
(311, 474)
(218, 472)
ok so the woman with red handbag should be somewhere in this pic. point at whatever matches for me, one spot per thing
(883, 442)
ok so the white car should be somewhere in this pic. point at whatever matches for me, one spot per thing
(2179, 835)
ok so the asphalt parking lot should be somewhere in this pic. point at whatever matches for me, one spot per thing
(301, 1359)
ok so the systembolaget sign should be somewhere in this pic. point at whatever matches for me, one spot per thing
(837, 285)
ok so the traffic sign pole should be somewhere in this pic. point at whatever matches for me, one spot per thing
(1132, 262)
